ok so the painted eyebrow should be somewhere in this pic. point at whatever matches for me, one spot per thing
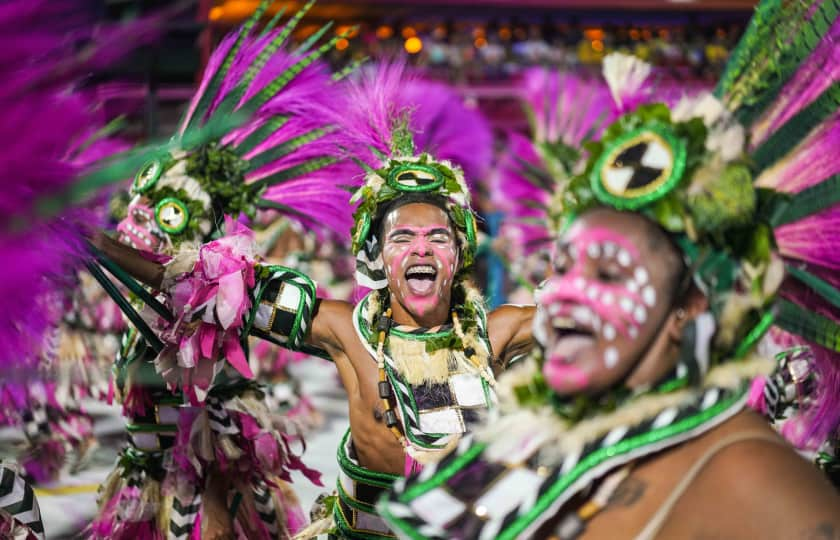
(416, 231)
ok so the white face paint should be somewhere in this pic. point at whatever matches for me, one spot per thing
(611, 357)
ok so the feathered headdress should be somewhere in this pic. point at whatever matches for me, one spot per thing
(249, 139)
(563, 110)
(746, 182)
(402, 133)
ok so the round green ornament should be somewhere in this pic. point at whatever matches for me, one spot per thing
(147, 176)
(172, 215)
(639, 167)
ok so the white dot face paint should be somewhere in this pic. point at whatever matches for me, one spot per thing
(649, 296)
(582, 314)
(602, 292)
(611, 357)
(640, 314)
(624, 258)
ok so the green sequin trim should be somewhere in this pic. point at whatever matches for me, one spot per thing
(151, 428)
(147, 176)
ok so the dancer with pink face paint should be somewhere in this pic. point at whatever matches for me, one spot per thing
(418, 355)
(679, 244)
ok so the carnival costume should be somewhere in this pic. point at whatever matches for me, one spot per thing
(746, 184)
(439, 379)
(200, 432)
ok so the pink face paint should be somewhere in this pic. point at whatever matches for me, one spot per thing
(431, 249)
(565, 294)
(138, 229)
(564, 377)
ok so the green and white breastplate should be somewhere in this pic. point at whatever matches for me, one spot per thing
(439, 393)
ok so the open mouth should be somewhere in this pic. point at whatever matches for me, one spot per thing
(421, 278)
(571, 336)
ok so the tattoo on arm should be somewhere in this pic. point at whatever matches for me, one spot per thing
(628, 492)
(823, 531)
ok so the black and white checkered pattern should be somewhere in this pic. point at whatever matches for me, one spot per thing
(218, 417)
(284, 305)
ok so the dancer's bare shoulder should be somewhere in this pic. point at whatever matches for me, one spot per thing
(755, 488)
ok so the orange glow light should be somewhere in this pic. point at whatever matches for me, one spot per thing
(635, 35)
(342, 44)
(505, 33)
(413, 45)
(597, 45)
(593, 33)
(480, 42)
(216, 13)
(408, 32)
(384, 32)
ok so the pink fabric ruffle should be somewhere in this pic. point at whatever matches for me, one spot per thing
(210, 304)
(126, 516)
